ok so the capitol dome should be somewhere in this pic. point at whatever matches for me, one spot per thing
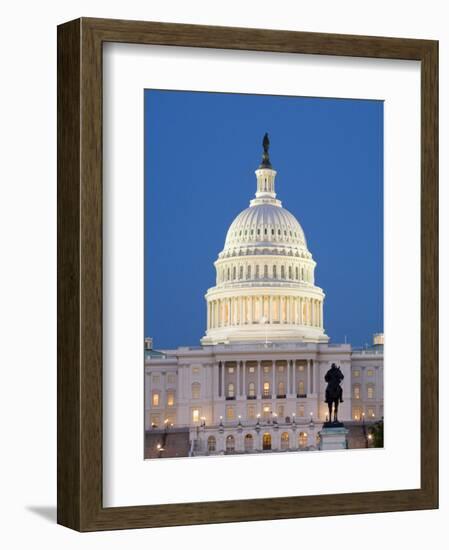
(265, 275)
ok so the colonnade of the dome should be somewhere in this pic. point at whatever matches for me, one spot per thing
(263, 309)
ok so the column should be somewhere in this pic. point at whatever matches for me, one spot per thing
(294, 377)
(309, 377)
(258, 380)
(273, 369)
(312, 368)
(251, 299)
(222, 378)
(270, 309)
(238, 379)
(321, 314)
(288, 377)
(244, 378)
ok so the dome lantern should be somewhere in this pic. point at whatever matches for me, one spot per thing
(265, 176)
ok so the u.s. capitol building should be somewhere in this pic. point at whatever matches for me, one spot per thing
(256, 383)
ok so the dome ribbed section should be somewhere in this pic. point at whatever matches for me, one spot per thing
(268, 227)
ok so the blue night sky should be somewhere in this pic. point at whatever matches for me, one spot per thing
(201, 150)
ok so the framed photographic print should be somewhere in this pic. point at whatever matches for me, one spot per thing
(247, 287)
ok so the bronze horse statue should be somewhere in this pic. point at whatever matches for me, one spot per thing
(334, 392)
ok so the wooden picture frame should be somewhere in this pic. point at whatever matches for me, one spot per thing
(80, 481)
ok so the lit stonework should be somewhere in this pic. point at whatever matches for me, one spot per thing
(257, 381)
(265, 283)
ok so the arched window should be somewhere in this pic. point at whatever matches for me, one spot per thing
(302, 274)
(229, 274)
(211, 444)
(251, 389)
(301, 389)
(249, 442)
(266, 389)
(231, 390)
(241, 272)
(248, 272)
(290, 272)
(274, 272)
(370, 391)
(266, 442)
(282, 272)
(196, 389)
(257, 271)
(302, 439)
(356, 391)
(230, 444)
(233, 272)
(297, 273)
(265, 271)
(281, 389)
(284, 441)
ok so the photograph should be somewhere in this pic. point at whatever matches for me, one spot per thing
(263, 275)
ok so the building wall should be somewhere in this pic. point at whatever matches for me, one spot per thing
(232, 388)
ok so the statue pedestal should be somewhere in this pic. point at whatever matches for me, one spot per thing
(333, 436)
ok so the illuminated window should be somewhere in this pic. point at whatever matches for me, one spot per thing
(249, 442)
(266, 442)
(281, 388)
(301, 410)
(284, 441)
(266, 389)
(301, 390)
(302, 439)
(251, 389)
(156, 379)
(371, 413)
(357, 413)
(170, 398)
(171, 379)
(231, 370)
(301, 368)
(195, 370)
(230, 444)
(230, 413)
(251, 412)
(266, 370)
(370, 391)
(252, 369)
(356, 373)
(195, 415)
(281, 368)
(196, 390)
(156, 399)
(211, 444)
(370, 372)
(281, 411)
(231, 390)
(356, 391)
(266, 411)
